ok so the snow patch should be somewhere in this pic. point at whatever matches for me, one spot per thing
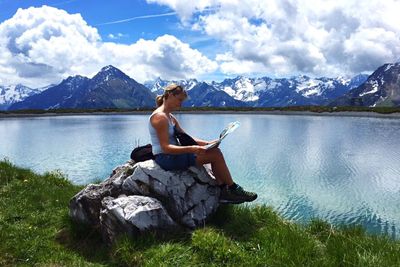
(329, 84)
(309, 87)
(388, 67)
(373, 90)
(343, 81)
(312, 91)
(259, 85)
(56, 106)
(252, 98)
(15, 93)
(243, 89)
(107, 68)
(229, 90)
(307, 84)
(273, 85)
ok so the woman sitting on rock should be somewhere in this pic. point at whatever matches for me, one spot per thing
(170, 156)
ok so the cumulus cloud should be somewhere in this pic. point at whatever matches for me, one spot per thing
(316, 37)
(165, 57)
(39, 46)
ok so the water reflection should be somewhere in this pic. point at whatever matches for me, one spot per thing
(342, 169)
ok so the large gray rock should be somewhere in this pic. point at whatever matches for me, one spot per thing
(131, 215)
(189, 196)
(169, 200)
(85, 206)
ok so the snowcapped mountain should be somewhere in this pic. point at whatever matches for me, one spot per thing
(157, 86)
(206, 95)
(109, 88)
(15, 93)
(358, 80)
(265, 91)
(53, 97)
(382, 88)
(320, 91)
(300, 90)
(242, 88)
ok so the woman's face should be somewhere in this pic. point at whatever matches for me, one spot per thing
(177, 98)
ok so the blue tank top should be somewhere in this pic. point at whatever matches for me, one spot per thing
(155, 142)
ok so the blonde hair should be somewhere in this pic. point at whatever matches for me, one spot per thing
(172, 88)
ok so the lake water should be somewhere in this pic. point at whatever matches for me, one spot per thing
(342, 169)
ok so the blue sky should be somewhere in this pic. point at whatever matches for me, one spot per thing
(47, 41)
(98, 15)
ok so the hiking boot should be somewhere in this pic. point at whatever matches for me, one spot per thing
(236, 195)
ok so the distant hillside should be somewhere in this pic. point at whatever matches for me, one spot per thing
(263, 92)
(110, 88)
(205, 95)
(12, 94)
(382, 88)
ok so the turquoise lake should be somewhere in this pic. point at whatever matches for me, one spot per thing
(344, 170)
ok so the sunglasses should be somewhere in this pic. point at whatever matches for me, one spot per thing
(175, 90)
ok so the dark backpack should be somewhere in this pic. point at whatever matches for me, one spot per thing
(142, 153)
(183, 138)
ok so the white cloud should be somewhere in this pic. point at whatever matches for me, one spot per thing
(232, 66)
(39, 46)
(165, 57)
(316, 37)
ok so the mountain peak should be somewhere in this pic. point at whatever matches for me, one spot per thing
(109, 68)
(73, 79)
(109, 72)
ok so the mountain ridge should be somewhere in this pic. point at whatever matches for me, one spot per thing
(382, 88)
(109, 88)
(112, 88)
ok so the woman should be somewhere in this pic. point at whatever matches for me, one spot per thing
(170, 156)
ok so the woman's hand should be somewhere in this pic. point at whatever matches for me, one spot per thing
(214, 141)
(199, 150)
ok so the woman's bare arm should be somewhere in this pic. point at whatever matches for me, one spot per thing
(160, 123)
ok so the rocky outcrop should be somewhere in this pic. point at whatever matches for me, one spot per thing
(132, 215)
(141, 197)
(85, 206)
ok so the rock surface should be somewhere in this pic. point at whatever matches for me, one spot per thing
(132, 215)
(141, 197)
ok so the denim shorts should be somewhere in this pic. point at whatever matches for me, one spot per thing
(172, 162)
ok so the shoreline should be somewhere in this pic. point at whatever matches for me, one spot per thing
(371, 114)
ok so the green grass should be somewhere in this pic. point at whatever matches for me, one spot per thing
(35, 230)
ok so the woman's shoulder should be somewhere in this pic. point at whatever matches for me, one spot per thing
(158, 116)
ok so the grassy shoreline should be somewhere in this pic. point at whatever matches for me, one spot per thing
(384, 112)
(35, 229)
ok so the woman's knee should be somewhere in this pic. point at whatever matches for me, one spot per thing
(216, 153)
(216, 150)
(211, 156)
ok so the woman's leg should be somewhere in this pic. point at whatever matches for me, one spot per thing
(232, 193)
(218, 165)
